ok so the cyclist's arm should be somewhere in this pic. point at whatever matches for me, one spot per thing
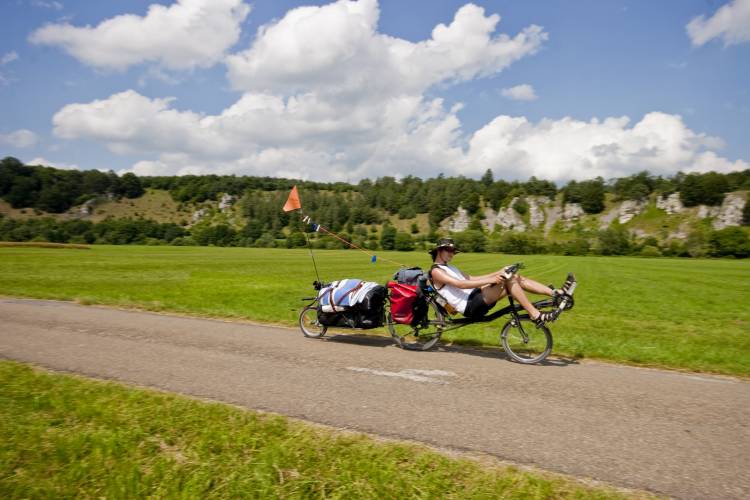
(441, 278)
(500, 273)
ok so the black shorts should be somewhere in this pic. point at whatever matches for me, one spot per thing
(476, 307)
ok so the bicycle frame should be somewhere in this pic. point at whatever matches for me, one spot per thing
(513, 309)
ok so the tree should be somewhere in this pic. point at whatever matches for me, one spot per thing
(730, 241)
(614, 241)
(487, 178)
(703, 189)
(388, 237)
(590, 194)
(403, 242)
(130, 186)
(470, 241)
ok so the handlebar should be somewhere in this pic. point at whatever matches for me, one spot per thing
(513, 268)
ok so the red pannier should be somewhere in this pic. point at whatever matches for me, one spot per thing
(403, 299)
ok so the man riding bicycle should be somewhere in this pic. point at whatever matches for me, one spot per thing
(474, 296)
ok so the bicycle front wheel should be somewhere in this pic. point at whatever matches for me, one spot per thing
(420, 337)
(524, 342)
(309, 324)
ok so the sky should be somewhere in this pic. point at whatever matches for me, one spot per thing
(346, 90)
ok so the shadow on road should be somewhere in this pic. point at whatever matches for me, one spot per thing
(360, 339)
(381, 341)
(552, 360)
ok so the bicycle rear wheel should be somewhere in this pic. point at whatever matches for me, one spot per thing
(309, 324)
(524, 342)
(420, 337)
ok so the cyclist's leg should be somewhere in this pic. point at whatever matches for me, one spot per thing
(517, 291)
(532, 286)
(492, 293)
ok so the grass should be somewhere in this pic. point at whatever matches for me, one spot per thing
(43, 244)
(68, 437)
(686, 314)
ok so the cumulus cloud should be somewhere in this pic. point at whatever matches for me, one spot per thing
(336, 48)
(185, 35)
(731, 23)
(328, 97)
(571, 149)
(324, 94)
(54, 164)
(21, 138)
(524, 92)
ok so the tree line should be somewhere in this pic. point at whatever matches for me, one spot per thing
(55, 191)
(615, 240)
(359, 212)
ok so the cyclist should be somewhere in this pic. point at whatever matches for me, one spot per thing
(474, 296)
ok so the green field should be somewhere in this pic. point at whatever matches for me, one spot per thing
(679, 313)
(67, 437)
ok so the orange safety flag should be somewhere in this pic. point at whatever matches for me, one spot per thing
(292, 203)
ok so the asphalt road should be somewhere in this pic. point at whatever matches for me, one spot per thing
(683, 435)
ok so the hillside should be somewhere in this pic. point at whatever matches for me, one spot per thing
(687, 214)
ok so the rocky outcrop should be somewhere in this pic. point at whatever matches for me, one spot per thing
(198, 215)
(226, 202)
(730, 213)
(506, 218)
(571, 213)
(681, 233)
(87, 208)
(704, 211)
(536, 209)
(670, 204)
(553, 213)
(457, 222)
(629, 209)
(624, 212)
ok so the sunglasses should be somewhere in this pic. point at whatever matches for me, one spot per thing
(448, 249)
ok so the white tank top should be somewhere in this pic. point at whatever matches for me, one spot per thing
(457, 297)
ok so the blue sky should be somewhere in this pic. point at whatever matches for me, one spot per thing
(346, 90)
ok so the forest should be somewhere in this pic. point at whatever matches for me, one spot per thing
(359, 211)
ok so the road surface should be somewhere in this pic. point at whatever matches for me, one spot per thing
(683, 435)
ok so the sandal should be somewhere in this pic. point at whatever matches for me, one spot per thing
(569, 284)
(547, 317)
(565, 292)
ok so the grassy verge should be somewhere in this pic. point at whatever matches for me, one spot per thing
(679, 313)
(66, 437)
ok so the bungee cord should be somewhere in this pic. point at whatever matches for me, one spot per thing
(293, 203)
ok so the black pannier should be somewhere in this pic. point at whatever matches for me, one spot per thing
(369, 313)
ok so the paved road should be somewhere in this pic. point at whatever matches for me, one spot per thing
(677, 434)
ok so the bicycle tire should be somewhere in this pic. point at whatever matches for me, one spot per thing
(530, 350)
(420, 337)
(309, 324)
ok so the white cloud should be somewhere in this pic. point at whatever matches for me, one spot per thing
(336, 49)
(54, 164)
(185, 35)
(572, 149)
(47, 5)
(327, 97)
(324, 94)
(524, 92)
(21, 138)
(8, 57)
(731, 23)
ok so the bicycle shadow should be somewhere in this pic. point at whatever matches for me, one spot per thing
(499, 353)
(359, 339)
(366, 340)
